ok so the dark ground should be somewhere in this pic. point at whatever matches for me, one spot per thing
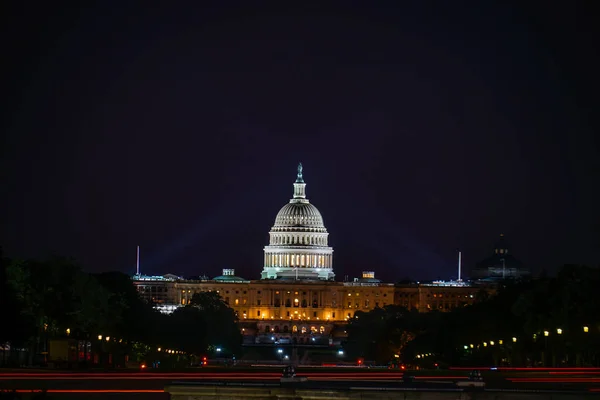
(135, 385)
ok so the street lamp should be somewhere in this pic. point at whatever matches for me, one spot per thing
(107, 338)
(514, 340)
(586, 329)
(99, 337)
(546, 333)
(68, 331)
(559, 331)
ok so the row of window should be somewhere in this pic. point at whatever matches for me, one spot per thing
(259, 313)
(286, 329)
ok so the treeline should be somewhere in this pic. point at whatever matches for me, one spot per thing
(56, 299)
(551, 321)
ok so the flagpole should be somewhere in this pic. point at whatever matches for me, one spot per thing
(459, 264)
(137, 268)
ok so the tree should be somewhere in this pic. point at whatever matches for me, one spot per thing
(382, 333)
(221, 322)
(14, 328)
(130, 315)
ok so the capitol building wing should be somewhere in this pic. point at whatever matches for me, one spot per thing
(298, 246)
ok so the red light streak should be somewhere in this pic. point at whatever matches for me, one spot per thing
(526, 369)
(573, 373)
(202, 376)
(92, 391)
(554, 380)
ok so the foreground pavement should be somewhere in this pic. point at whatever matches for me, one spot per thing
(150, 385)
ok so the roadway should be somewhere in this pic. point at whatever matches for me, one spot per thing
(150, 385)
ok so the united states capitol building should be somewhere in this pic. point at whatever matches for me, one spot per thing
(297, 298)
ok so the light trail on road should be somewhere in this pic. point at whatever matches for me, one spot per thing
(91, 391)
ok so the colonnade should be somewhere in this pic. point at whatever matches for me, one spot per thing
(296, 239)
(298, 260)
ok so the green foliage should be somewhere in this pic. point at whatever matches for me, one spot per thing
(381, 333)
(220, 321)
(48, 297)
(519, 310)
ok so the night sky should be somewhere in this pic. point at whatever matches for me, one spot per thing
(421, 129)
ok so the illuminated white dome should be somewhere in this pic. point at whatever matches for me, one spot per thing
(299, 216)
(298, 241)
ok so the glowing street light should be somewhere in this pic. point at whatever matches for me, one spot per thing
(484, 344)
(500, 341)
(491, 342)
(546, 333)
(68, 331)
(559, 331)
(99, 337)
(586, 329)
(107, 338)
(514, 340)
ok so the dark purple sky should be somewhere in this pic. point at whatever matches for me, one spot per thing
(422, 129)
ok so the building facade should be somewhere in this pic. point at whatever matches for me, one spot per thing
(500, 265)
(297, 299)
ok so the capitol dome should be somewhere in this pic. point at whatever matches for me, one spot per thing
(299, 216)
(298, 246)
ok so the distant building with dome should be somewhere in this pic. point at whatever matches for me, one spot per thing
(298, 246)
(296, 299)
(500, 265)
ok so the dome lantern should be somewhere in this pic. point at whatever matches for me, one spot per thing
(299, 186)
